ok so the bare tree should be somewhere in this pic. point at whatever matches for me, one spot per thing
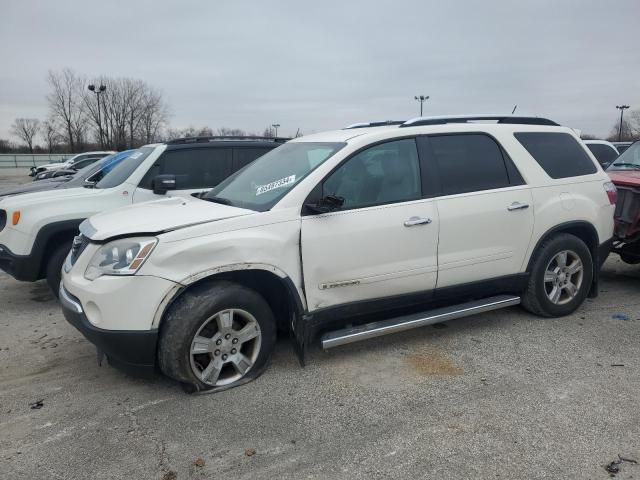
(66, 105)
(132, 113)
(50, 134)
(26, 129)
(626, 134)
(230, 132)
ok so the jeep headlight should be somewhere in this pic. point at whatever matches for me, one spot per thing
(120, 257)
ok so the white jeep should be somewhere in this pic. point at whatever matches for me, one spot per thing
(405, 224)
(36, 229)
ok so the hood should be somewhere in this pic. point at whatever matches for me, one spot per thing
(627, 178)
(38, 198)
(48, 184)
(156, 217)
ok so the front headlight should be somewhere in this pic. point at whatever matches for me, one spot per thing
(120, 257)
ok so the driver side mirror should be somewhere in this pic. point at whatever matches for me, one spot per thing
(163, 183)
(326, 204)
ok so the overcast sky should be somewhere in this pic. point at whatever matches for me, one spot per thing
(318, 65)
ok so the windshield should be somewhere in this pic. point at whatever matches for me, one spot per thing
(96, 171)
(261, 184)
(628, 160)
(124, 170)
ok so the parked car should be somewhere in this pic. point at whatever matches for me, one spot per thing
(37, 229)
(65, 171)
(605, 152)
(625, 173)
(69, 163)
(350, 234)
(86, 177)
(622, 146)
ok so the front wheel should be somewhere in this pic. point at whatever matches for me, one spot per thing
(54, 266)
(561, 277)
(216, 336)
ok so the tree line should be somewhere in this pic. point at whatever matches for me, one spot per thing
(113, 114)
(130, 113)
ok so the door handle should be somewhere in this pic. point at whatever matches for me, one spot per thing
(413, 221)
(517, 206)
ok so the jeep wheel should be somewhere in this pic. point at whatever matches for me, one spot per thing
(54, 266)
(560, 278)
(216, 336)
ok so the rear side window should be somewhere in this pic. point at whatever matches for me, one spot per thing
(244, 156)
(559, 154)
(193, 168)
(470, 163)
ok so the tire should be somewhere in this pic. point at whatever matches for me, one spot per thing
(543, 287)
(205, 312)
(631, 260)
(54, 266)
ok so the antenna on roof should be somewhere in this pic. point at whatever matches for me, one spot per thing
(514, 109)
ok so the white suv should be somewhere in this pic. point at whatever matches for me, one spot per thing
(410, 224)
(36, 229)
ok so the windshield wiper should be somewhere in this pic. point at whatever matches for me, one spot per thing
(220, 200)
(634, 166)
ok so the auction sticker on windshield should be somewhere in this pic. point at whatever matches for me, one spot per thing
(283, 182)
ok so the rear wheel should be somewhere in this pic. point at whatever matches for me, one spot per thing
(54, 266)
(216, 336)
(560, 278)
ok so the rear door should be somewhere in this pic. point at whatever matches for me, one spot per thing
(197, 170)
(485, 209)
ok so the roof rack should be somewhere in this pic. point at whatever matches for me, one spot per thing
(374, 124)
(510, 119)
(226, 138)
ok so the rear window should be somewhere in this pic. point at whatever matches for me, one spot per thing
(559, 154)
(603, 153)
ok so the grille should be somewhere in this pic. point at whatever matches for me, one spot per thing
(77, 247)
(3, 219)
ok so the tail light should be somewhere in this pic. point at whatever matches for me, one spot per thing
(612, 192)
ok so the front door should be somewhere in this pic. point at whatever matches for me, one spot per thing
(383, 240)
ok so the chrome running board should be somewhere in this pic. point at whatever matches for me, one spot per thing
(415, 320)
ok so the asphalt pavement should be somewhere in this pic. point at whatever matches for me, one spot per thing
(499, 395)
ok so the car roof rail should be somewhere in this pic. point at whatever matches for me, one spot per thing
(505, 119)
(216, 138)
(374, 124)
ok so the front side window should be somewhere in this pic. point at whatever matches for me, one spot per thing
(469, 163)
(243, 156)
(385, 173)
(559, 154)
(628, 160)
(261, 184)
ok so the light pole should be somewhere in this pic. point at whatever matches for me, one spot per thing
(421, 99)
(98, 91)
(622, 108)
(275, 125)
